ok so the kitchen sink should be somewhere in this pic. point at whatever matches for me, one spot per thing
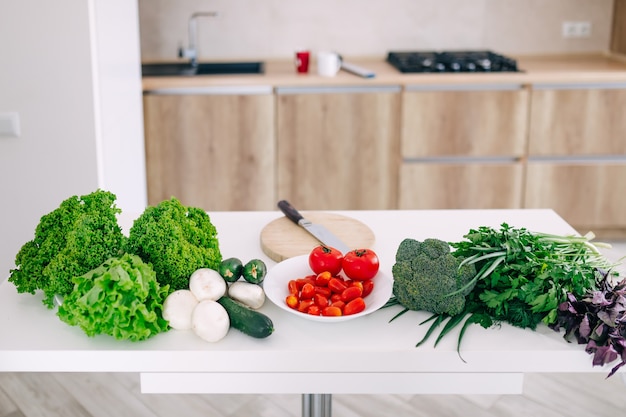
(203, 68)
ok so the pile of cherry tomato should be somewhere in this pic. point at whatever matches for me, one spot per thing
(325, 292)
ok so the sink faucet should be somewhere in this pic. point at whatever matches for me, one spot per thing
(191, 51)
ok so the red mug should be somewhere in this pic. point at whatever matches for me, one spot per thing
(302, 61)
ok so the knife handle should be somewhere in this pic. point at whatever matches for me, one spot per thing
(290, 211)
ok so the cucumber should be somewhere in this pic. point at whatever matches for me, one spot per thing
(246, 320)
(231, 269)
(254, 271)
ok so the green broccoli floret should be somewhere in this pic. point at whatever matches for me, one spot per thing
(176, 240)
(427, 273)
(70, 241)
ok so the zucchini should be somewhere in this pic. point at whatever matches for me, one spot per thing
(231, 269)
(246, 320)
(254, 271)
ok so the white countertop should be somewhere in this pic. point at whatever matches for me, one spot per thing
(364, 355)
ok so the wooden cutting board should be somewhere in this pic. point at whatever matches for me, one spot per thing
(282, 239)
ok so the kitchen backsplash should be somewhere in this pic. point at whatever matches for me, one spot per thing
(266, 29)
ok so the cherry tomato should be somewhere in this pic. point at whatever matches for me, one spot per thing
(304, 305)
(337, 285)
(292, 301)
(360, 264)
(308, 291)
(331, 311)
(292, 287)
(350, 294)
(368, 287)
(321, 280)
(323, 258)
(353, 307)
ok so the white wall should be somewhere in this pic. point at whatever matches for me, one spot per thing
(70, 68)
(275, 28)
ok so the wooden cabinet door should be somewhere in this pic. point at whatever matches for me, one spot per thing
(338, 148)
(464, 121)
(589, 196)
(577, 121)
(216, 152)
(461, 186)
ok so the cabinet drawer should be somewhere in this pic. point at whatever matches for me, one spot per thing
(589, 196)
(464, 122)
(577, 121)
(461, 186)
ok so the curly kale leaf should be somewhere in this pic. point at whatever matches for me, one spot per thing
(176, 240)
(71, 240)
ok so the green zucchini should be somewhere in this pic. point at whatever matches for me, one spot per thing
(231, 269)
(246, 320)
(254, 271)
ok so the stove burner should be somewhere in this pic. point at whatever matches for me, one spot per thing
(451, 61)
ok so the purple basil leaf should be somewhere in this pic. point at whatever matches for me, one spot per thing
(604, 355)
(584, 330)
(615, 368)
(608, 317)
(598, 298)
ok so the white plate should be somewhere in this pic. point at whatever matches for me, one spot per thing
(277, 278)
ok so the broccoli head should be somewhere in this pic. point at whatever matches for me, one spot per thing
(70, 241)
(176, 240)
(426, 274)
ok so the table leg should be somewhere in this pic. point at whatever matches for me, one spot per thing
(317, 405)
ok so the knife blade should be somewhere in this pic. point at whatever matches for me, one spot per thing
(318, 231)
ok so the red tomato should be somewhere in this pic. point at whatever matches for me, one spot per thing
(360, 264)
(323, 258)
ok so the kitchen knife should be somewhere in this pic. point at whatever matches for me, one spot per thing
(317, 230)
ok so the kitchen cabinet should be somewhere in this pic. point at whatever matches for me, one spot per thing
(577, 154)
(211, 148)
(338, 147)
(463, 146)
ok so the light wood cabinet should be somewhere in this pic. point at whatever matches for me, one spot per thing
(338, 147)
(577, 155)
(590, 196)
(467, 121)
(213, 151)
(577, 120)
(463, 147)
(461, 185)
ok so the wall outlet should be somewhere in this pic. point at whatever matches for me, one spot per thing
(576, 29)
(9, 125)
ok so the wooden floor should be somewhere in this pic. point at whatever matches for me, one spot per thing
(118, 395)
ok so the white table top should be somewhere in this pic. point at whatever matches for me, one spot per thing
(370, 348)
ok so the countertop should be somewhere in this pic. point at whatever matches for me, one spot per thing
(365, 355)
(547, 69)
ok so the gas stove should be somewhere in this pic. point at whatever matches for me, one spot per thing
(451, 61)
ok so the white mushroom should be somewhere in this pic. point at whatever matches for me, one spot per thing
(247, 293)
(210, 321)
(207, 284)
(178, 307)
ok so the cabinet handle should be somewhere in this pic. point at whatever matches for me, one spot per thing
(463, 87)
(339, 89)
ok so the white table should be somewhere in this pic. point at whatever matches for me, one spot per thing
(365, 355)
